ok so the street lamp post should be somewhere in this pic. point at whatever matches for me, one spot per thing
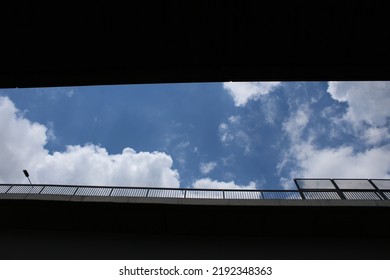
(27, 175)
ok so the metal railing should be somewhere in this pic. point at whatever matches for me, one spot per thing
(307, 189)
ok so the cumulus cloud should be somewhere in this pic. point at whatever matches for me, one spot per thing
(22, 147)
(207, 167)
(343, 162)
(368, 102)
(207, 183)
(21, 143)
(242, 92)
(92, 164)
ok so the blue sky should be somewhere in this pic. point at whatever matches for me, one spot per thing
(217, 135)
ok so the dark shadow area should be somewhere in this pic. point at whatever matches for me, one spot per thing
(192, 41)
(86, 230)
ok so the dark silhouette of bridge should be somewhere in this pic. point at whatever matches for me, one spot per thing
(321, 218)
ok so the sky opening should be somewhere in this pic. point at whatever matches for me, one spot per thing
(233, 135)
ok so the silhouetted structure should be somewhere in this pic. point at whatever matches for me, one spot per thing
(321, 219)
(192, 41)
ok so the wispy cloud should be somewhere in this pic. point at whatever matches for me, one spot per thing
(224, 133)
(56, 92)
(50, 131)
(296, 123)
(375, 135)
(232, 132)
(207, 167)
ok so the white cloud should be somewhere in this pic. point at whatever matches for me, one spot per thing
(242, 92)
(91, 164)
(22, 147)
(207, 183)
(368, 102)
(304, 159)
(343, 162)
(207, 167)
(21, 143)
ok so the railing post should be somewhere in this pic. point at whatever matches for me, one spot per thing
(339, 192)
(299, 190)
(383, 196)
(302, 194)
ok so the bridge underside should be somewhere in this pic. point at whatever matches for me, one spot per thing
(192, 42)
(46, 229)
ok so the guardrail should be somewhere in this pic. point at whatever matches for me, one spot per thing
(307, 189)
